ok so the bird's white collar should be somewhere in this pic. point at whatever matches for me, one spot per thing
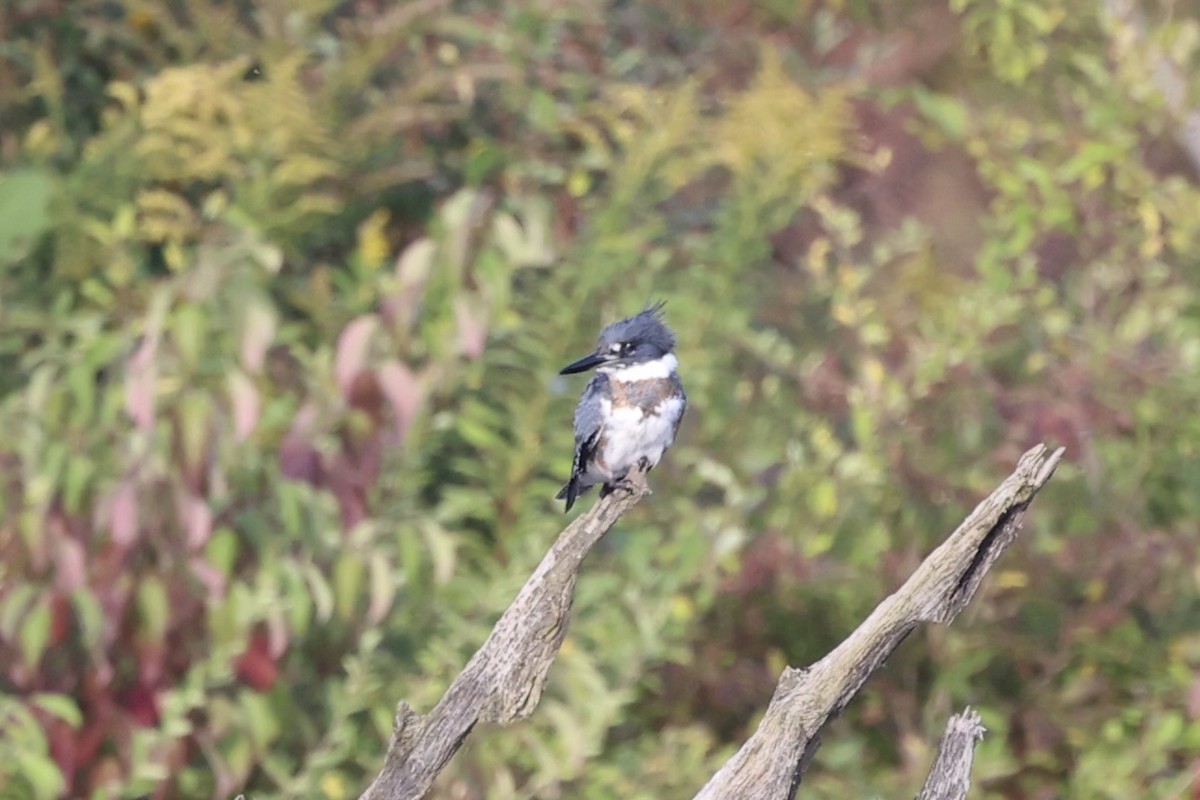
(661, 367)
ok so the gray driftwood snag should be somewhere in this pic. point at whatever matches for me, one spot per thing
(950, 776)
(770, 764)
(503, 681)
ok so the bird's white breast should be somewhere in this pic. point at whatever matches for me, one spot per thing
(631, 434)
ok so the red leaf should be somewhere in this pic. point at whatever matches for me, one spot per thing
(298, 459)
(412, 270)
(209, 576)
(402, 391)
(139, 384)
(277, 636)
(123, 517)
(255, 667)
(472, 328)
(64, 749)
(257, 335)
(197, 521)
(352, 350)
(61, 616)
(70, 564)
(246, 405)
(140, 702)
(365, 395)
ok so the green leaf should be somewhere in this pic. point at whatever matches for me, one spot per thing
(221, 550)
(154, 608)
(442, 550)
(298, 605)
(14, 606)
(148, 767)
(82, 381)
(76, 482)
(189, 328)
(35, 634)
(384, 585)
(823, 499)
(194, 412)
(322, 594)
(60, 706)
(89, 616)
(24, 211)
(260, 718)
(41, 773)
(348, 576)
(947, 113)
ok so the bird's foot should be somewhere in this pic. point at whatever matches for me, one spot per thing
(633, 482)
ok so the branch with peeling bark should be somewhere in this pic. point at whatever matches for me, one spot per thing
(950, 776)
(503, 681)
(770, 764)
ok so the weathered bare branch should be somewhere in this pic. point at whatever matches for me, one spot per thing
(503, 681)
(950, 776)
(770, 764)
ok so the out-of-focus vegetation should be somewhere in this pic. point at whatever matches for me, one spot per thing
(283, 290)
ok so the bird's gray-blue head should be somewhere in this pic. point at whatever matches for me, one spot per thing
(639, 339)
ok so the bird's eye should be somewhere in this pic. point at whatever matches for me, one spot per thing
(626, 348)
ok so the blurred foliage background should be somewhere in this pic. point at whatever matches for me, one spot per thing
(284, 286)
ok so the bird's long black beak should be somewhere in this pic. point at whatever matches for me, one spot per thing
(584, 364)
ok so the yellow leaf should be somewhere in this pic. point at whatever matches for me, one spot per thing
(778, 129)
(579, 183)
(333, 786)
(823, 499)
(373, 246)
(1011, 579)
(683, 608)
(126, 94)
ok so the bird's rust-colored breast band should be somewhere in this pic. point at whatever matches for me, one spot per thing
(646, 395)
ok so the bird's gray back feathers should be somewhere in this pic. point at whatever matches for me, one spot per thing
(589, 414)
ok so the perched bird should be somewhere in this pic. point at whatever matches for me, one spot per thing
(630, 410)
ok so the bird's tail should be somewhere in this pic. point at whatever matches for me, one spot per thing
(570, 492)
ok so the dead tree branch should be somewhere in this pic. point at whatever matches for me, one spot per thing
(503, 681)
(950, 776)
(770, 764)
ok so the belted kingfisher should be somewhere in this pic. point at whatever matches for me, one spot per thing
(630, 410)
